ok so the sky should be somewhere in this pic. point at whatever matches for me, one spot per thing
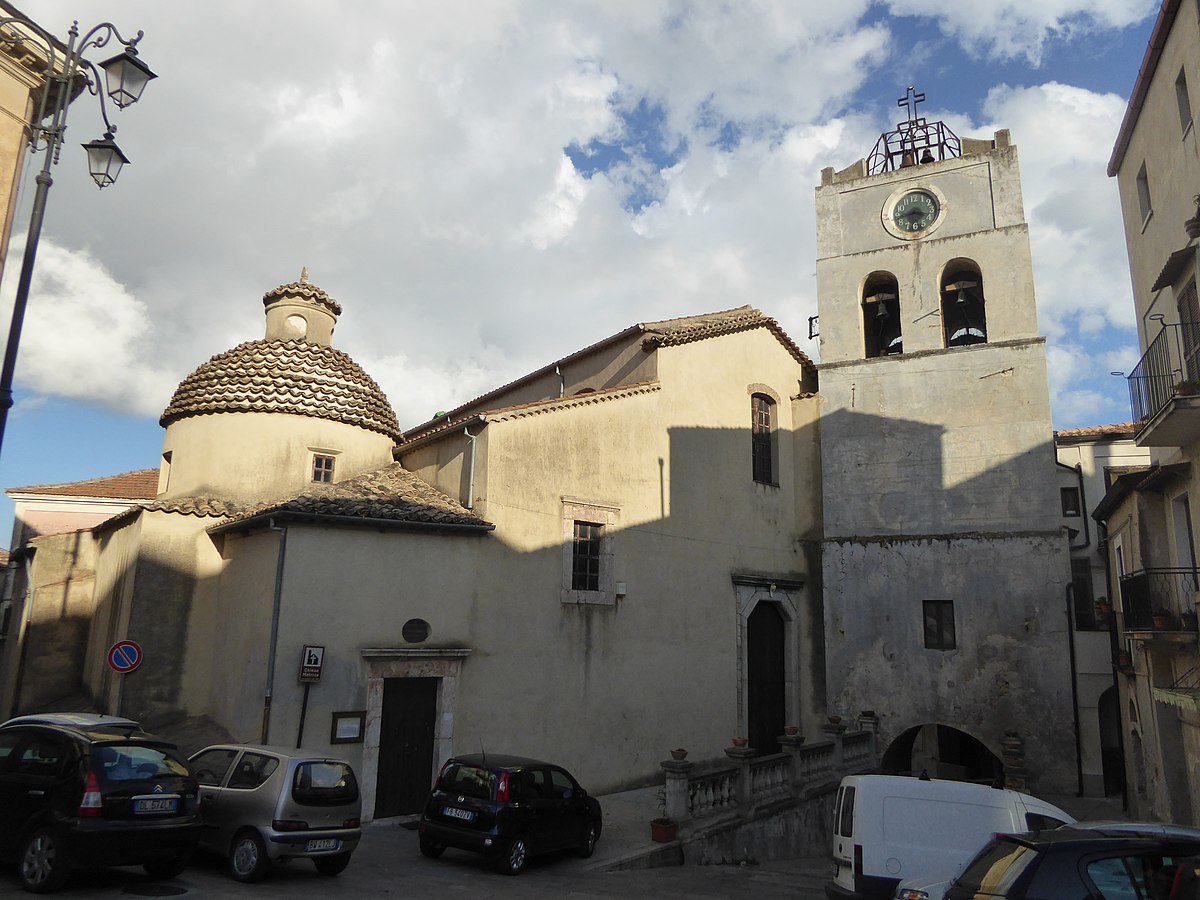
(488, 186)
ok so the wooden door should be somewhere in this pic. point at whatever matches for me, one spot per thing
(406, 737)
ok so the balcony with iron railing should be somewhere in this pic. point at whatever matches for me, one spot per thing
(1164, 388)
(1160, 603)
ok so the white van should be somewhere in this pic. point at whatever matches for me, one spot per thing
(890, 828)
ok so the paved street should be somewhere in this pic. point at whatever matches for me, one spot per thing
(388, 863)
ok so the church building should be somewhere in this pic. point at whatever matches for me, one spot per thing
(669, 538)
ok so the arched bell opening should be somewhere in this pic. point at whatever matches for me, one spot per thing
(882, 330)
(964, 316)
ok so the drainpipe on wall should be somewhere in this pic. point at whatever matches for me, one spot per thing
(266, 721)
(562, 382)
(1070, 597)
(470, 504)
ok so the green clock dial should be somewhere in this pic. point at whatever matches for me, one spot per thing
(915, 211)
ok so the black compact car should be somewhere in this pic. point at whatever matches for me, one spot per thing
(508, 807)
(1076, 862)
(78, 790)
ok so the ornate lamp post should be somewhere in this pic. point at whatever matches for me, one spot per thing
(125, 76)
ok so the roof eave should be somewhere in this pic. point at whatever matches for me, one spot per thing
(1141, 84)
(264, 520)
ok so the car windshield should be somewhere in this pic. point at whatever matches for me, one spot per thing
(324, 783)
(997, 868)
(470, 781)
(131, 762)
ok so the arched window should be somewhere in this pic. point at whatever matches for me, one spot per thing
(762, 438)
(964, 318)
(881, 316)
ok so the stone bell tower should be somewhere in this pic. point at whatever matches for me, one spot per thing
(945, 567)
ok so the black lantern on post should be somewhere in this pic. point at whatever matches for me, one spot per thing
(66, 76)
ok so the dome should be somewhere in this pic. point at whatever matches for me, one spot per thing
(276, 376)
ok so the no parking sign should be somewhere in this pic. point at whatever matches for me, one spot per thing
(124, 656)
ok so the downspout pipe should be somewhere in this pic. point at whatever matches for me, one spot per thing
(1070, 598)
(562, 382)
(274, 639)
(470, 504)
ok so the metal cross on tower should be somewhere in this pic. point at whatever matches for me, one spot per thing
(910, 100)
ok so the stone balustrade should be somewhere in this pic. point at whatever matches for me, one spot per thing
(746, 785)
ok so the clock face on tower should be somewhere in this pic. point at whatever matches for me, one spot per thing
(915, 211)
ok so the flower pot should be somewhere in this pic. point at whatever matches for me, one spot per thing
(1124, 660)
(740, 741)
(679, 754)
(663, 831)
(1161, 623)
(791, 730)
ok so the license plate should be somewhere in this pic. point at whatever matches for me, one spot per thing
(322, 844)
(465, 814)
(152, 805)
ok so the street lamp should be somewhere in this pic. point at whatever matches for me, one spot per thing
(126, 76)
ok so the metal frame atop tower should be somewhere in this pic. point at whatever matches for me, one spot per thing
(914, 142)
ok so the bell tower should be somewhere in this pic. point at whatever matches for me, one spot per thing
(945, 565)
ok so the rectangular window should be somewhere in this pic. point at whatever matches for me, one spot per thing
(1143, 189)
(585, 557)
(1185, 103)
(1070, 501)
(322, 468)
(760, 437)
(939, 624)
(1087, 615)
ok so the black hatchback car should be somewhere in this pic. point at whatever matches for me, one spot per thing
(1081, 863)
(508, 807)
(80, 790)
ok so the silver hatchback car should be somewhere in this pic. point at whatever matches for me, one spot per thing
(262, 805)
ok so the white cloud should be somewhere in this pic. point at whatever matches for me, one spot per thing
(1019, 28)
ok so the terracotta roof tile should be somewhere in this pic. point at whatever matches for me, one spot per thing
(303, 289)
(536, 406)
(296, 377)
(389, 493)
(139, 485)
(671, 332)
(668, 332)
(1120, 429)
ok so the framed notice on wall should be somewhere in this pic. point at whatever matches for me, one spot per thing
(348, 727)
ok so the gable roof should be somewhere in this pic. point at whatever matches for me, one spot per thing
(388, 496)
(138, 485)
(665, 333)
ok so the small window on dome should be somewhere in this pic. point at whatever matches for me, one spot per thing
(322, 468)
(296, 327)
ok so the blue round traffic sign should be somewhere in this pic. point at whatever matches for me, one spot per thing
(124, 656)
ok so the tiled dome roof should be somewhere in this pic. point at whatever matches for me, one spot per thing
(297, 377)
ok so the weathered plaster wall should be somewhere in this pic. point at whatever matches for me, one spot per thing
(258, 456)
(57, 613)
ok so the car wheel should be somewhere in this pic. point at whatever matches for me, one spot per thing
(514, 857)
(332, 865)
(432, 849)
(42, 863)
(162, 869)
(248, 857)
(591, 834)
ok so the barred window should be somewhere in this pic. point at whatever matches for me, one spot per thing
(585, 557)
(322, 468)
(760, 439)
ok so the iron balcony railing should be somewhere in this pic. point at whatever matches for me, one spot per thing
(1164, 370)
(1160, 599)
